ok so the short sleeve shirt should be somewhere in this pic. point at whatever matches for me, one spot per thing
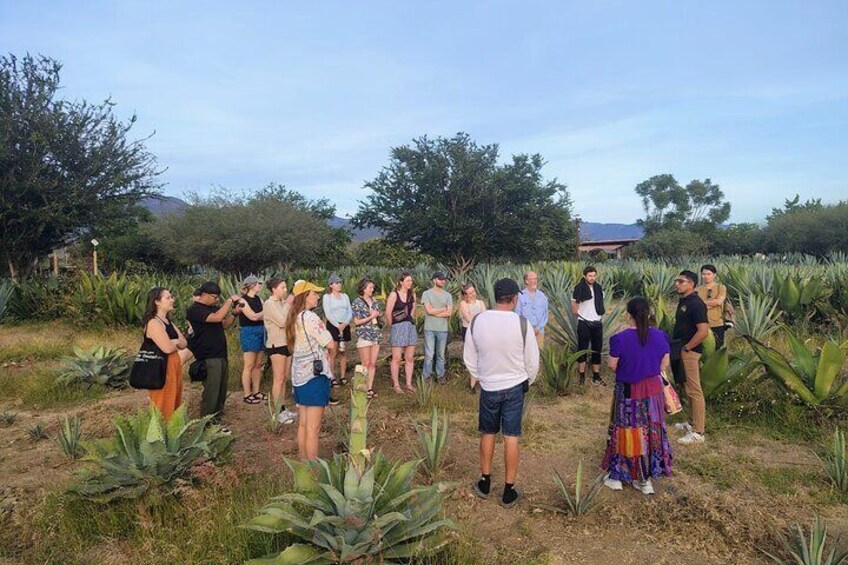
(715, 314)
(208, 338)
(691, 311)
(370, 331)
(437, 300)
(637, 362)
(311, 339)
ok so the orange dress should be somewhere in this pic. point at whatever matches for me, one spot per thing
(168, 398)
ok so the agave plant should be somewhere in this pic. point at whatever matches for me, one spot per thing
(836, 462)
(424, 392)
(556, 368)
(69, 439)
(722, 371)
(808, 551)
(812, 375)
(102, 365)
(757, 317)
(36, 432)
(796, 293)
(148, 452)
(581, 501)
(8, 417)
(358, 507)
(7, 287)
(433, 442)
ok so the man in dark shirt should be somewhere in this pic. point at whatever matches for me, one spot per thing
(690, 330)
(208, 342)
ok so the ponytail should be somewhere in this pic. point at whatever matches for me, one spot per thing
(640, 310)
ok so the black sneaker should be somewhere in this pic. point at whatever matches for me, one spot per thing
(598, 381)
(333, 401)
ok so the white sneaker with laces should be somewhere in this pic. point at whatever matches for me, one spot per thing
(684, 427)
(612, 483)
(647, 487)
(690, 438)
(285, 417)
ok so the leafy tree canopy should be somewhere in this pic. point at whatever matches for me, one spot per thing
(699, 206)
(250, 232)
(66, 167)
(449, 198)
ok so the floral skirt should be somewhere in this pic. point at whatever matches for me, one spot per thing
(403, 334)
(638, 446)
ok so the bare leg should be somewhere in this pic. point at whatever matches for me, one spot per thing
(278, 387)
(342, 364)
(395, 367)
(487, 452)
(331, 355)
(511, 458)
(372, 364)
(314, 414)
(409, 365)
(256, 374)
(246, 372)
(301, 432)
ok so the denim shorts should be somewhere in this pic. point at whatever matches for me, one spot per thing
(315, 392)
(252, 339)
(502, 409)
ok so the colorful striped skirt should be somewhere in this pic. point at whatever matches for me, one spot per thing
(638, 446)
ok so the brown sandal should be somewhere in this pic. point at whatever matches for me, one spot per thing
(371, 394)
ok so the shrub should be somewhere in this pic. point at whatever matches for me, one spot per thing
(434, 442)
(148, 452)
(578, 502)
(37, 432)
(101, 365)
(70, 437)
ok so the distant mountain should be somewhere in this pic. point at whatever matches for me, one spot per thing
(594, 231)
(161, 206)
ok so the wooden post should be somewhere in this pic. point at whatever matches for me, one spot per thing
(94, 270)
(55, 263)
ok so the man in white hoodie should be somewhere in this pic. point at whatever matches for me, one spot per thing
(502, 354)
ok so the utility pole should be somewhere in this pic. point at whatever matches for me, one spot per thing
(95, 243)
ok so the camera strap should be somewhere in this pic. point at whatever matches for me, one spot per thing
(306, 335)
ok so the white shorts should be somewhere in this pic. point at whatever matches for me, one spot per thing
(365, 343)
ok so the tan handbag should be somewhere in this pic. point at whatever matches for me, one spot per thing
(672, 400)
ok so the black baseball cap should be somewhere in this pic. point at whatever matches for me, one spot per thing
(438, 275)
(209, 287)
(506, 288)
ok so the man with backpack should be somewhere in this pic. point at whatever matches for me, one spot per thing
(502, 355)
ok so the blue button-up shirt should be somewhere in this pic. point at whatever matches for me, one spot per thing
(534, 307)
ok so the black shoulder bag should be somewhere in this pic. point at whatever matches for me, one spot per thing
(150, 366)
(317, 363)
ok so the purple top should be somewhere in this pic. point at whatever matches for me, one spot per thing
(637, 362)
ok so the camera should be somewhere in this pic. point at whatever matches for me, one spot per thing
(317, 367)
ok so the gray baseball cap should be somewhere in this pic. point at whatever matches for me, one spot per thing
(251, 280)
(334, 278)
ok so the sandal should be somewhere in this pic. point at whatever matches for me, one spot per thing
(251, 399)
(397, 389)
(260, 396)
(343, 380)
(371, 394)
(411, 388)
(335, 383)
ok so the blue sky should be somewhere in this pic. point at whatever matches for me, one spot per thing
(313, 94)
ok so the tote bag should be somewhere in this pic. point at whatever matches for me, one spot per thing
(150, 366)
(672, 400)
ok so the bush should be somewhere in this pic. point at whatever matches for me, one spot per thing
(101, 365)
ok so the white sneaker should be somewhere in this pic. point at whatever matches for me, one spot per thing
(647, 487)
(613, 484)
(690, 438)
(292, 415)
(285, 418)
(684, 427)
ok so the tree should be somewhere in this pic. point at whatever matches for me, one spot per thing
(248, 233)
(699, 206)
(449, 198)
(669, 243)
(737, 239)
(812, 228)
(66, 167)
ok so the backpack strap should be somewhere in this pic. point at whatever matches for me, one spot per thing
(522, 321)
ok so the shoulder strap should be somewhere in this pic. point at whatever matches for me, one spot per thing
(306, 334)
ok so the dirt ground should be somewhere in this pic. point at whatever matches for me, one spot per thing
(722, 505)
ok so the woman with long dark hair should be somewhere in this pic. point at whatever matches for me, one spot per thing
(309, 341)
(275, 312)
(637, 447)
(170, 340)
(366, 318)
(403, 335)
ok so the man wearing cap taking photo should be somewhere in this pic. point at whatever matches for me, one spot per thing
(438, 304)
(208, 342)
(502, 354)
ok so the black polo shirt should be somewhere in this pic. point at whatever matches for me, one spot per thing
(691, 311)
(209, 341)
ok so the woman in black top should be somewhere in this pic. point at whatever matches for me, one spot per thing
(159, 330)
(402, 333)
(252, 339)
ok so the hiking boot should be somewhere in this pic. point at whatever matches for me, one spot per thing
(690, 438)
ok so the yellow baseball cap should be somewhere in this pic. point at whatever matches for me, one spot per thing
(305, 286)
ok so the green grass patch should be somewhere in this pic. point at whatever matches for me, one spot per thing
(35, 351)
(201, 526)
(37, 388)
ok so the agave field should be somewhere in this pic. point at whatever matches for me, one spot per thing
(116, 483)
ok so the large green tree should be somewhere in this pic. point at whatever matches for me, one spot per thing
(809, 227)
(699, 206)
(250, 232)
(66, 167)
(450, 198)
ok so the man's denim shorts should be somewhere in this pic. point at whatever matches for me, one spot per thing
(502, 409)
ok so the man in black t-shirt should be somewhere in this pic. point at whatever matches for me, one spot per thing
(690, 329)
(208, 342)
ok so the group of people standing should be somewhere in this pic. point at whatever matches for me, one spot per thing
(303, 347)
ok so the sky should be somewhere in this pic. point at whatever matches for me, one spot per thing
(313, 95)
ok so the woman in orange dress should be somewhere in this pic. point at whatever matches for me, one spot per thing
(170, 340)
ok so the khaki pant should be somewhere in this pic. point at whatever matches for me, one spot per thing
(697, 406)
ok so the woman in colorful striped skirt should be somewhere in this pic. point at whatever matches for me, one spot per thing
(638, 448)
